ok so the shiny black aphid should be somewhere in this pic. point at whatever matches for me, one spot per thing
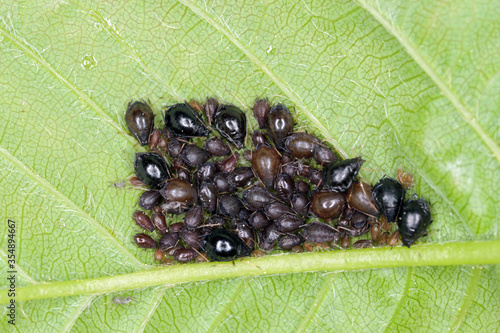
(231, 123)
(183, 120)
(151, 169)
(339, 176)
(413, 221)
(140, 121)
(388, 195)
(223, 245)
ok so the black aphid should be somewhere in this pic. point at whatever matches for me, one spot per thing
(413, 221)
(151, 169)
(339, 176)
(388, 195)
(182, 120)
(231, 123)
(223, 245)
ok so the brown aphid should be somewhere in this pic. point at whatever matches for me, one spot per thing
(202, 257)
(184, 174)
(301, 145)
(285, 186)
(300, 204)
(360, 198)
(362, 244)
(394, 239)
(169, 240)
(176, 227)
(266, 163)
(258, 253)
(208, 194)
(144, 241)
(194, 156)
(178, 194)
(258, 220)
(289, 223)
(309, 246)
(385, 225)
(185, 255)
(297, 249)
(247, 155)
(160, 223)
(211, 107)
(375, 232)
(174, 148)
(318, 232)
(261, 111)
(240, 176)
(191, 238)
(382, 239)
(259, 139)
(140, 121)
(405, 179)
(163, 144)
(171, 251)
(150, 199)
(168, 261)
(159, 254)
(154, 138)
(287, 242)
(134, 181)
(345, 242)
(327, 204)
(279, 124)
(194, 217)
(195, 105)
(323, 155)
(143, 220)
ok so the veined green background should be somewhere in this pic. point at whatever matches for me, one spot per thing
(411, 84)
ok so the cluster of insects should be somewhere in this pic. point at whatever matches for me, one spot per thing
(289, 191)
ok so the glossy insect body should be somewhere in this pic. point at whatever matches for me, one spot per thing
(140, 121)
(223, 245)
(231, 123)
(279, 124)
(339, 176)
(266, 163)
(260, 111)
(413, 221)
(182, 120)
(151, 169)
(388, 195)
(360, 198)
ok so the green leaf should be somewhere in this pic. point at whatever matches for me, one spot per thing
(408, 85)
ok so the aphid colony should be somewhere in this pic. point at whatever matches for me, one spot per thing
(290, 191)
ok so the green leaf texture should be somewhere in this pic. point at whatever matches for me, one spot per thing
(412, 85)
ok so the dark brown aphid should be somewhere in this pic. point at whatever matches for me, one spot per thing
(327, 204)
(382, 239)
(140, 121)
(285, 187)
(375, 232)
(315, 176)
(217, 147)
(222, 184)
(244, 214)
(260, 111)
(178, 195)
(176, 227)
(247, 155)
(323, 155)
(144, 241)
(257, 197)
(143, 220)
(301, 145)
(270, 235)
(302, 186)
(229, 205)
(208, 196)
(228, 164)
(405, 179)
(289, 241)
(184, 174)
(245, 232)
(339, 176)
(300, 204)
(345, 242)
(259, 139)
(266, 163)
(194, 156)
(279, 124)
(174, 148)
(258, 220)
(185, 255)
(150, 199)
(360, 198)
(276, 210)
(318, 232)
(231, 123)
(362, 244)
(171, 252)
(290, 169)
(191, 238)
(160, 223)
(163, 144)
(181, 120)
(211, 107)
(169, 240)
(194, 217)
(154, 139)
(240, 177)
(289, 223)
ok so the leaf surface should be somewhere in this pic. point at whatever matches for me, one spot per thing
(412, 86)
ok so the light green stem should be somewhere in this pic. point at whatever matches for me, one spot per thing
(446, 254)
